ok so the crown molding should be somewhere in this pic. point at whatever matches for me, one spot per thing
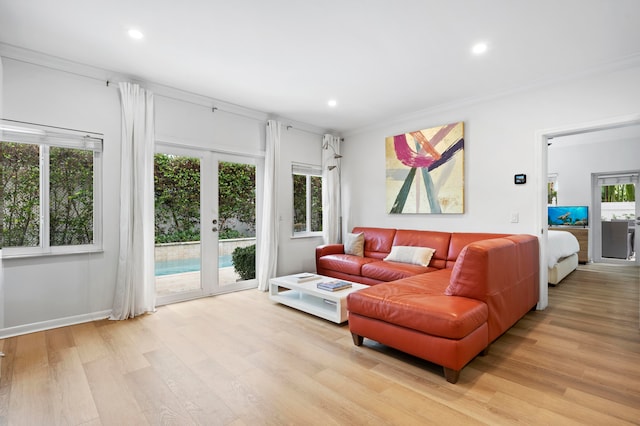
(56, 63)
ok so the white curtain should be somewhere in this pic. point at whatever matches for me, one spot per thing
(268, 250)
(331, 197)
(135, 285)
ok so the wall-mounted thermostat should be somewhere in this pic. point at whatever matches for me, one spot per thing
(520, 179)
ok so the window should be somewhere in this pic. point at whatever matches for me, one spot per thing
(552, 189)
(618, 196)
(49, 191)
(307, 199)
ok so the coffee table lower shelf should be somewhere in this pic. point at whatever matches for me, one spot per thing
(305, 297)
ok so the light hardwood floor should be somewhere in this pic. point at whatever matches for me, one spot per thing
(240, 359)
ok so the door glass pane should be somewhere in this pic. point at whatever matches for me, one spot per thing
(236, 222)
(177, 224)
(618, 214)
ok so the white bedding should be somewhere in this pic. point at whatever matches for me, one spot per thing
(560, 244)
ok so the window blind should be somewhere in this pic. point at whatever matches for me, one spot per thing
(617, 179)
(306, 169)
(22, 133)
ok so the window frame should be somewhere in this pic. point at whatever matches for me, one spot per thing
(46, 137)
(309, 171)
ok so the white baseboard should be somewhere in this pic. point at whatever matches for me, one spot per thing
(48, 325)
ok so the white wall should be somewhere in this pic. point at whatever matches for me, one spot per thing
(500, 141)
(295, 254)
(49, 289)
(574, 165)
(193, 125)
(44, 292)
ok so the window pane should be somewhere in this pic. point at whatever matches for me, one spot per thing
(618, 202)
(316, 203)
(619, 193)
(70, 196)
(299, 203)
(20, 194)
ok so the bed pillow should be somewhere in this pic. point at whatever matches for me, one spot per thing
(354, 244)
(408, 254)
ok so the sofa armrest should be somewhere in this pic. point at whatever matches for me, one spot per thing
(326, 249)
(502, 272)
(485, 268)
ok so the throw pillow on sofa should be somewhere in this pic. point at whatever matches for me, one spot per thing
(408, 254)
(354, 244)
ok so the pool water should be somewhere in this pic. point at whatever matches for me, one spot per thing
(178, 266)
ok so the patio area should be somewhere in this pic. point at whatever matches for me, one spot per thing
(187, 281)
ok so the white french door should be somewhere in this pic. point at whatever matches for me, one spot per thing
(194, 241)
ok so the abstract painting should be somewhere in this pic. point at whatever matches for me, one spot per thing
(425, 171)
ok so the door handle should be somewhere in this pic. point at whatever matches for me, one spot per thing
(215, 221)
(214, 229)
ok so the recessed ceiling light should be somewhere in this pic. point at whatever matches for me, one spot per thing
(479, 48)
(135, 34)
(332, 103)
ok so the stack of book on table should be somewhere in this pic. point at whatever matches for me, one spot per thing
(333, 285)
(305, 276)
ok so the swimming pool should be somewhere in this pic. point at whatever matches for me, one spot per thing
(178, 266)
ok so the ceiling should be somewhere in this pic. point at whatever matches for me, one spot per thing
(379, 59)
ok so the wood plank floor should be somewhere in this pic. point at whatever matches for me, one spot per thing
(239, 359)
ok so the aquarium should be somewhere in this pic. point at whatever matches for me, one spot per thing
(568, 216)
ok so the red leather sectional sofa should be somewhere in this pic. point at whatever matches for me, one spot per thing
(475, 287)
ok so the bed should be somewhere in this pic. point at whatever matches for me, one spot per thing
(562, 255)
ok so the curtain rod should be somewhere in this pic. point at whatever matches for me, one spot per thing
(213, 108)
(216, 108)
(290, 126)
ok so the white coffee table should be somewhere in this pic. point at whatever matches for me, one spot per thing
(306, 297)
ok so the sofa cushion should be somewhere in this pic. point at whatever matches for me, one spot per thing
(409, 305)
(345, 263)
(354, 244)
(407, 254)
(377, 241)
(439, 241)
(435, 282)
(390, 271)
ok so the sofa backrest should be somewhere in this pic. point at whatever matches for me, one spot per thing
(377, 241)
(436, 240)
(503, 273)
(460, 239)
(447, 245)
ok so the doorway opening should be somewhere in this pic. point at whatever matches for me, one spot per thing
(544, 138)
